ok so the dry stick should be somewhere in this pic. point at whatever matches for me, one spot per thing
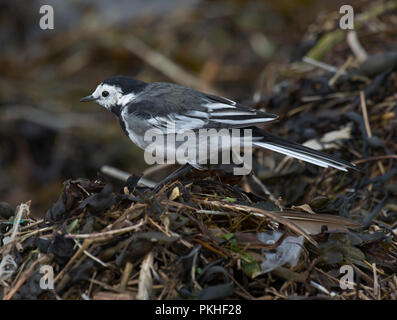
(355, 46)
(335, 280)
(240, 286)
(32, 233)
(21, 209)
(193, 271)
(365, 114)
(168, 234)
(26, 227)
(91, 285)
(123, 176)
(320, 64)
(122, 218)
(210, 248)
(115, 173)
(377, 269)
(91, 256)
(341, 71)
(126, 275)
(145, 282)
(385, 157)
(106, 233)
(263, 187)
(321, 288)
(376, 283)
(43, 259)
(367, 125)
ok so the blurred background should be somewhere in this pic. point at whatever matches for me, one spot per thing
(232, 47)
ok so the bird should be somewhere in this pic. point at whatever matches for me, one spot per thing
(171, 108)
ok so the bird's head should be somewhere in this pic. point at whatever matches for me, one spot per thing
(115, 92)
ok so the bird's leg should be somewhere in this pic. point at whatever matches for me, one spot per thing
(180, 172)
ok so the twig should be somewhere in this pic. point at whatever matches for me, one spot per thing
(106, 233)
(320, 64)
(376, 283)
(264, 189)
(91, 256)
(219, 213)
(123, 176)
(125, 275)
(355, 46)
(322, 289)
(365, 114)
(341, 71)
(145, 278)
(385, 157)
(115, 173)
(23, 207)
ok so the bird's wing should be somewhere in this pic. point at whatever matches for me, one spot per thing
(225, 113)
(198, 112)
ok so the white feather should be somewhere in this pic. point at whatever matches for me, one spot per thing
(245, 121)
(176, 122)
(233, 113)
(300, 156)
(199, 114)
(125, 99)
(217, 106)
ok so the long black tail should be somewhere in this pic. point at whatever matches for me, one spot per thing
(263, 139)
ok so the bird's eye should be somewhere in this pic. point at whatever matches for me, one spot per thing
(105, 94)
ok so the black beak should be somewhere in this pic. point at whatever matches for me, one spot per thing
(88, 99)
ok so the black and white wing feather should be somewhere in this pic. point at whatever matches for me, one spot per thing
(225, 113)
(179, 108)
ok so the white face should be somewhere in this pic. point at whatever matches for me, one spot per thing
(108, 96)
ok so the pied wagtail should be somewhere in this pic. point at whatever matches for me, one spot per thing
(143, 106)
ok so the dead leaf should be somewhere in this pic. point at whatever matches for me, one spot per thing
(304, 207)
